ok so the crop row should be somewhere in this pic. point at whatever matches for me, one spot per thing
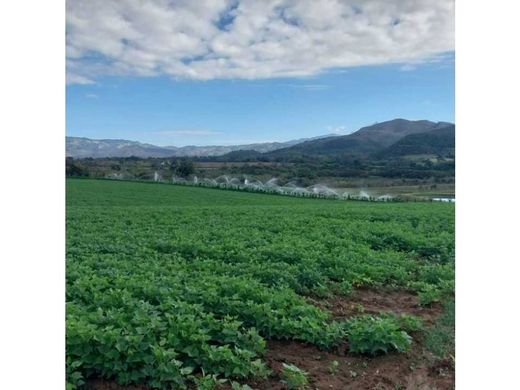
(164, 286)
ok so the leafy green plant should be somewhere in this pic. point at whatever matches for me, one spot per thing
(410, 323)
(207, 382)
(344, 288)
(333, 367)
(371, 335)
(74, 380)
(294, 377)
(406, 322)
(238, 386)
(429, 295)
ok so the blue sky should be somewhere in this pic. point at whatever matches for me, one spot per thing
(173, 73)
(163, 111)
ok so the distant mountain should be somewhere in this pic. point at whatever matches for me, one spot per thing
(389, 132)
(390, 139)
(80, 147)
(364, 142)
(439, 142)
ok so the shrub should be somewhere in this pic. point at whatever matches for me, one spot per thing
(410, 323)
(368, 334)
(294, 377)
(238, 386)
(344, 288)
(407, 322)
(428, 295)
(207, 382)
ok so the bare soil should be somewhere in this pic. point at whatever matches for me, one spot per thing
(372, 301)
(392, 371)
(417, 369)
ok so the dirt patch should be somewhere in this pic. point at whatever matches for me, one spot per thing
(371, 301)
(410, 370)
(416, 369)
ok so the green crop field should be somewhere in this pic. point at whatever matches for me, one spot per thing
(173, 286)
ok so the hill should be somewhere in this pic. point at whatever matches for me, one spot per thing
(440, 142)
(364, 142)
(81, 147)
(367, 141)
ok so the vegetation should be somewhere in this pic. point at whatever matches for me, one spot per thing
(307, 170)
(368, 334)
(437, 142)
(440, 338)
(294, 377)
(397, 151)
(182, 167)
(171, 285)
(333, 367)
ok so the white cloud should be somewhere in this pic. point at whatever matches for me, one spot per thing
(337, 129)
(91, 96)
(187, 132)
(74, 78)
(249, 39)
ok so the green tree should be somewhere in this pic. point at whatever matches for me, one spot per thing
(185, 168)
(73, 169)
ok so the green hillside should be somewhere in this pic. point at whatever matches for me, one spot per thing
(362, 143)
(439, 142)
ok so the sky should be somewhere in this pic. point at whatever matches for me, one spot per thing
(222, 72)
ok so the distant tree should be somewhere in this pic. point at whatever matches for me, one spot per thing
(73, 169)
(185, 168)
(144, 175)
(174, 165)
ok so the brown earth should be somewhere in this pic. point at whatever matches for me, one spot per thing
(417, 369)
(393, 371)
(372, 301)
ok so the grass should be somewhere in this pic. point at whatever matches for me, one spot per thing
(440, 338)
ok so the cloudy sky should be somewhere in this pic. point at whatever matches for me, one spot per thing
(238, 71)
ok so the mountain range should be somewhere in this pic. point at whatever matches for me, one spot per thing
(374, 140)
(390, 139)
(81, 147)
